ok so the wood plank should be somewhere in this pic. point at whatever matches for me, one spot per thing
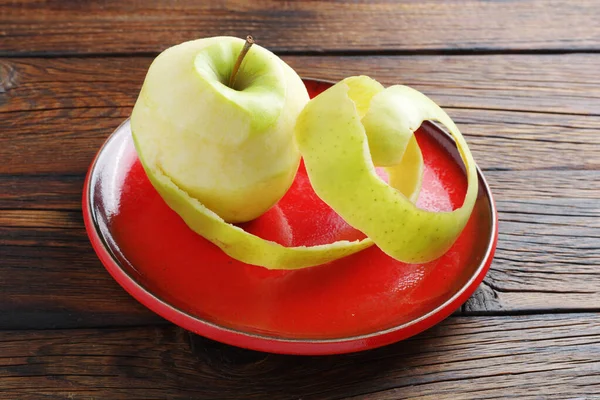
(51, 278)
(40, 191)
(548, 246)
(60, 285)
(565, 185)
(547, 258)
(34, 27)
(68, 139)
(528, 357)
(68, 125)
(567, 83)
(503, 140)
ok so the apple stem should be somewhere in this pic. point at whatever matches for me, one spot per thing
(240, 59)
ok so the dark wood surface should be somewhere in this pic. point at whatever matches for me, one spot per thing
(527, 357)
(520, 79)
(117, 26)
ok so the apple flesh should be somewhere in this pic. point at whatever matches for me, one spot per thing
(336, 133)
(232, 149)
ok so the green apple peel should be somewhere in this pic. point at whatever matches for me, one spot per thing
(338, 150)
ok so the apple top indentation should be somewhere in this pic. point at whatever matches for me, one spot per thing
(259, 89)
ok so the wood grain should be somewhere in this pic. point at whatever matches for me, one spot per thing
(65, 141)
(60, 284)
(562, 84)
(34, 27)
(547, 258)
(528, 357)
(565, 84)
(51, 278)
(38, 191)
(60, 125)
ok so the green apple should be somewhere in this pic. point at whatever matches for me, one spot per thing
(231, 148)
(351, 127)
(217, 153)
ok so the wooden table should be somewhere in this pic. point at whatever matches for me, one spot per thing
(521, 79)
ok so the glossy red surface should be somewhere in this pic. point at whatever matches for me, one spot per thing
(362, 301)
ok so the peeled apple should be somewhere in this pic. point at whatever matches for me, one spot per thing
(231, 148)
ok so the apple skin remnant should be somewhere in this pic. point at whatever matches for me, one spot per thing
(232, 149)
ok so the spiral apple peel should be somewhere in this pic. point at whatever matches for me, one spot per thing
(337, 147)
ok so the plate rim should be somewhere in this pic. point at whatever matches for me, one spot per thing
(272, 344)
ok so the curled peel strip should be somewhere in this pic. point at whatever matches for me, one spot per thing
(340, 142)
(244, 246)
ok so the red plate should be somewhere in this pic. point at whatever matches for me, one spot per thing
(356, 303)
